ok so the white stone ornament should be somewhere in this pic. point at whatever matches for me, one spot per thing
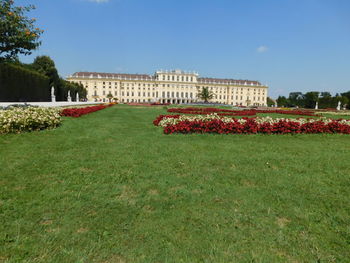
(339, 104)
(69, 98)
(53, 97)
(316, 106)
(77, 97)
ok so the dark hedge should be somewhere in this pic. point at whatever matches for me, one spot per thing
(19, 84)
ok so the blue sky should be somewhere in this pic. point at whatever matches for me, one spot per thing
(291, 45)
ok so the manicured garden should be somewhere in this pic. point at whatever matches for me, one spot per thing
(112, 187)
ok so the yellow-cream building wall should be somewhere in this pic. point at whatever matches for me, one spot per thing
(169, 87)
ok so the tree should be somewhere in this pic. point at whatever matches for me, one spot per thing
(46, 66)
(295, 99)
(206, 94)
(270, 102)
(109, 97)
(310, 99)
(18, 34)
(282, 101)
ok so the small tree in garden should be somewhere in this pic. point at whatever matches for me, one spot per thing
(205, 94)
(109, 97)
(18, 34)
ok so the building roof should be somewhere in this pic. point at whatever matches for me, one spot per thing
(150, 77)
(228, 81)
(111, 75)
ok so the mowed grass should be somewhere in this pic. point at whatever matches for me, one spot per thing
(110, 187)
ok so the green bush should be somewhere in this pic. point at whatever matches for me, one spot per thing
(21, 84)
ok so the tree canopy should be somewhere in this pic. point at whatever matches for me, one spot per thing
(18, 34)
(309, 99)
(205, 94)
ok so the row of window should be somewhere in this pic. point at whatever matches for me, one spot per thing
(175, 78)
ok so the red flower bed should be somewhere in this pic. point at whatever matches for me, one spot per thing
(224, 112)
(77, 112)
(252, 126)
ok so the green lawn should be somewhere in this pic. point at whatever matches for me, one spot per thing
(110, 187)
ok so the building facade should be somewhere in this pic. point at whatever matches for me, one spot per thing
(174, 87)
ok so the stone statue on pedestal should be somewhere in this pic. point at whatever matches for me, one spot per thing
(69, 98)
(77, 97)
(316, 106)
(53, 97)
(339, 104)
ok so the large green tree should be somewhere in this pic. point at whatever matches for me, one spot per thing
(310, 99)
(18, 34)
(205, 94)
(46, 66)
(282, 101)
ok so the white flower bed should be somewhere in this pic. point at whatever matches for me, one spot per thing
(260, 120)
(16, 120)
(340, 113)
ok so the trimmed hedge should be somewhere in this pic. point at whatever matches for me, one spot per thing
(18, 84)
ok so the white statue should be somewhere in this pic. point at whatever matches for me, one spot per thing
(77, 97)
(53, 97)
(69, 98)
(275, 104)
(316, 106)
(339, 104)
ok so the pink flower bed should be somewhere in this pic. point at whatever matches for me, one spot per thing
(267, 125)
(225, 112)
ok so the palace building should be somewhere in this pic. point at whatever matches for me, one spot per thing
(174, 87)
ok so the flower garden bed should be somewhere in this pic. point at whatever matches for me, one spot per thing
(77, 112)
(225, 112)
(20, 119)
(214, 123)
